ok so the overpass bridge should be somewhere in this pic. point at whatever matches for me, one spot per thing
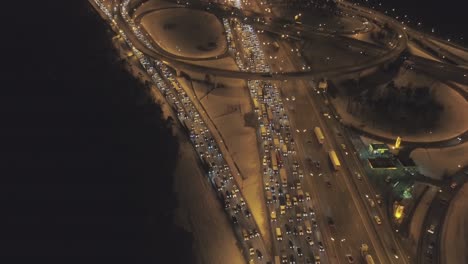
(181, 65)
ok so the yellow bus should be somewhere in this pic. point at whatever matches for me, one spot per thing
(334, 159)
(274, 162)
(255, 102)
(319, 135)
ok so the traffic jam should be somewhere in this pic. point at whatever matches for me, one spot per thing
(218, 172)
(292, 216)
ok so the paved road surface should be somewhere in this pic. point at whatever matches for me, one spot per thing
(454, 239)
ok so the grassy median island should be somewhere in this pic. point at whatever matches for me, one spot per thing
(184, 32)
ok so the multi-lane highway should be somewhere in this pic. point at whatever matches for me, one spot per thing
(317, 212)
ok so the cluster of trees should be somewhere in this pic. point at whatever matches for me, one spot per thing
(410, 107)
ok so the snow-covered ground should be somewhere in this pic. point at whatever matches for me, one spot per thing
(324, 53)
(435, 163)
(460, 53)
(453, 119)
(227, 107)
(185, 32)
(201, 213)
(415, 50)
(366, 37)
(312, 18)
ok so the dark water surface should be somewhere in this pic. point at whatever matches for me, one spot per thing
(86, 161)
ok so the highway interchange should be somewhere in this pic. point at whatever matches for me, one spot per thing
(340, 216)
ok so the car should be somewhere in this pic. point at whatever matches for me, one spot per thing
(287, 228)
(301, 231)
(431, 246)
(299, 252)
(251, 251)
(343, 146)
(358, 175)
(273, 216)
(296, 164)
(330, 221)
(291, 244)
(388, 179)
(377, 219)
(312, 212)
(308, 261)
(295, 231)
(431, 229)
(309, 240)
(317, 259)
(245, 235)
(294, 200)
(255, 232)
(247, 213)
(349, 258)
(307, 196)
(298, 185)
(320, 244)
(234, 219)
(259, 254)
(242, 202)
(378, 197)
(317, 164)
(292, 259)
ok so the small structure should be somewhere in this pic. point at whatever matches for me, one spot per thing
(382, 163)
(378, 149)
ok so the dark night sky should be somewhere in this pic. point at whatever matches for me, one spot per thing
(86, 161)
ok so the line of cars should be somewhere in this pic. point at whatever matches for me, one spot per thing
(292, 217)
(206, 148)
